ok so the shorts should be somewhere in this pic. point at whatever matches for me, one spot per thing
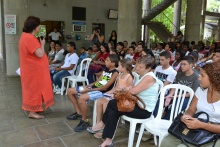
(94, 95)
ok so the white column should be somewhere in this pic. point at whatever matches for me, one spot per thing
(177, 17)
(202, 25)
(129, 20)
(146, 9)
(193, 20)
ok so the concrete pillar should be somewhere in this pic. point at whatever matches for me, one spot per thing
(1, 30)
(20, 9)
(146, 9)
(177, 17)
(202, 25)
(218, 34)
(129, 20)
(193, 19)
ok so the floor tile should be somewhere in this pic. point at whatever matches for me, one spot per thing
(47, 143)
(7, 125)
(82, 139)
(53, 130)
(16, 138)
(25, 122)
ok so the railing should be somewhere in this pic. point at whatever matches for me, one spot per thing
(162, 17)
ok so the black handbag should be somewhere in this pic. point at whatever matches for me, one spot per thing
(196, 137)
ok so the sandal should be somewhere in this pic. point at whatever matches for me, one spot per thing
(37, 116)
(89, 129)
(98, 135)
(107, 145)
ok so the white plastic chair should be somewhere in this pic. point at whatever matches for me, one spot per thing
(134, 121)
(136, 76)
(157, 58)
(158, 126)
(81, 77)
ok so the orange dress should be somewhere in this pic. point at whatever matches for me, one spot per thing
(35, 76)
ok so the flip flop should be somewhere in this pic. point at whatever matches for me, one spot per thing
(37, 116)
(107, 145)
(89, 129)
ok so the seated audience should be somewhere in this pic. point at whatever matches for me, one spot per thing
(188, 78)
(59, 57)
(138, 53)
(165, 73)
(83, 54)
(124, 79)
(146, 88)
(130, 54)
(99, 64)
(206, 99)
(170, 48)
(51, 52)
(177, 62)
(120, 51)
(66, 69)
(89, 52)
(96, 52)
(159, 48)
(92, 92)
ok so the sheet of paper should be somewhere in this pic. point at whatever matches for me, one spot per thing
(18, 71)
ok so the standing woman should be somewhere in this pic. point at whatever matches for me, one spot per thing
(35, 76)
(113, 38)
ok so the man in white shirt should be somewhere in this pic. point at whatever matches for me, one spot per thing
(165, 73)
(55, 36)
(67, 69)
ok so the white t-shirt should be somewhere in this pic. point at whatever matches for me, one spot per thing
(129, 57)
(158, 51)
(213, 109)
(168, 74)
(71, 59)
(55, 36)
(59, 55)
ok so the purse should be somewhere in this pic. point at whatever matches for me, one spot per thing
(126, 101)
(196, 137)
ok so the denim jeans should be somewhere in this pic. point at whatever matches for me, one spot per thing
(57, 77)
(168, 112)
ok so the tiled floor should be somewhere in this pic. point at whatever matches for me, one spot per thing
(17, 130)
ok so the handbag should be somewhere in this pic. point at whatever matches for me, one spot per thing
(96, 67)
(126, 101)
(196, 137)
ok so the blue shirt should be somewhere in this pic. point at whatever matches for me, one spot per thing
(82, 56)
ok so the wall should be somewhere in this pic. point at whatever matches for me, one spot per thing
(96, 12)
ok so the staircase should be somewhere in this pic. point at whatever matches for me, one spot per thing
(159, 29)
(153, 20)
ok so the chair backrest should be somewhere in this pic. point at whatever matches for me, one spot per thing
(157, 58)
(136, 76)
(178, 99)
(84, 66)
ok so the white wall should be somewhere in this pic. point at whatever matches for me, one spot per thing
(60, 10)
(96, 12)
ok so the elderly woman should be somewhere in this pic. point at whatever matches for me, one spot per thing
(34, 66)
(206, 99)
(146, 88)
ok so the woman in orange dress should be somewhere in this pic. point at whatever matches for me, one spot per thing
(34, 68)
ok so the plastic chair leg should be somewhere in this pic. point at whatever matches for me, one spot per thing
(155, 139)
(62, 86)
(94, 113)
(131, 133)
(140, 135)
(67, 86)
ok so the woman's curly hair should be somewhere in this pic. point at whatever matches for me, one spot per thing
(213, 72)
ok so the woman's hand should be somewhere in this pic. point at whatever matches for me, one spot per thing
(191, 122)
(42, 41)
(57, 69)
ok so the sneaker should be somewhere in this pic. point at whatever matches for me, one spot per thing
(82, 126)
(74, 116)
(55, 88)
(59, 90)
